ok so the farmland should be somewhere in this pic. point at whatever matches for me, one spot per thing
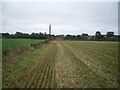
(16, 43)
(64, 64)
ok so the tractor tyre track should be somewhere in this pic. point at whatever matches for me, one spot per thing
(65, 70)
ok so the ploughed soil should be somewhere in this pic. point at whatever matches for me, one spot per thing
(58, 65)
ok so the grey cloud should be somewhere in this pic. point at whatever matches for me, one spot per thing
(65, 18)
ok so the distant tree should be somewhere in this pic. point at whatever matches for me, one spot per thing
(18, 34)
(98, 35)
(79, 37)
(25, 35)
(73, 37)
(68, 37)
(40, 33)
(93, 38)
(33, 35)
(110, 34)
(84, 34)
(5, 35)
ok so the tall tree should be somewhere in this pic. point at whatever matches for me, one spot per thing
(98, 35)
(110, 34)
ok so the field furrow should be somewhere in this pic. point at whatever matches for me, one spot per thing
(68, 64)
(96, 67)
(39, 74)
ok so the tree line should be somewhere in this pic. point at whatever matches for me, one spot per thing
(97, 37)
(26, 35)
(84, 37)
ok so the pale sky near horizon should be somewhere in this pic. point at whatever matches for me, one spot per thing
(65, 17)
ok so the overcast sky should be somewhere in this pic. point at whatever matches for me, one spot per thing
(65, 17)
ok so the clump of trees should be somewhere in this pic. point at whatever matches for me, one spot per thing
(97, 37)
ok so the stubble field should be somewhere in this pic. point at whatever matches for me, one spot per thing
(65, 64)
